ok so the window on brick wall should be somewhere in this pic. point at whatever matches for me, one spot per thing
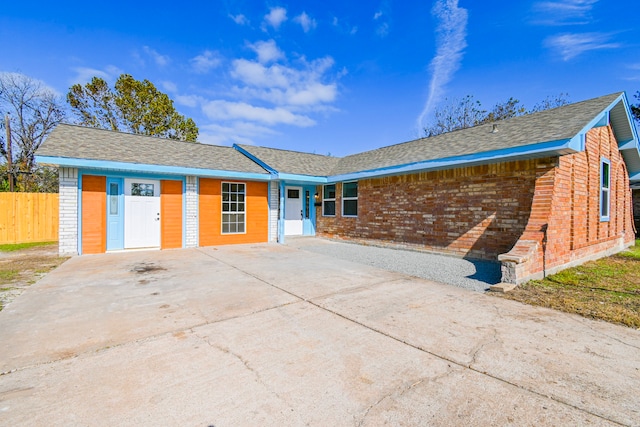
(605, 186)
(350, 199)
(233, 208)
(329, 200)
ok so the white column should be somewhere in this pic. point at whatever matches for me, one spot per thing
(274, 203)
(68, 211)
(192, 212)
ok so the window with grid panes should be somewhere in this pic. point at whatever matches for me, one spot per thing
(233, 208)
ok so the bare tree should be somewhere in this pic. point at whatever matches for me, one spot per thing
(551, 102)
(34, 111)
(466, 113)
(457, 114)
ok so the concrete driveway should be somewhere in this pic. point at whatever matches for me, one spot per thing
(274, 335)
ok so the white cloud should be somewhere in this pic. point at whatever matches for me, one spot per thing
(237, 132)
(227, 110)
(38, 86)
(189, 100)
(285, 85)
(267, 51)
(239, 19)
(382, 17)
(569, 46)
(85, 74)
(451, 32)
(168, 86)
(266, 92)
(344, 26)
(275, 18)
(563, 12)
(160, 60)
(306, 22)
(256, 74)
(383, 29)
(205, 62)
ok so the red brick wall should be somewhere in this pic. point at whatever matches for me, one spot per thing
(478, 211)
(568, 202)
(538, 215)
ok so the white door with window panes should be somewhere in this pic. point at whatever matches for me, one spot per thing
(293, 213)
(141, 213)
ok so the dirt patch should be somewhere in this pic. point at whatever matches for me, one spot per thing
(22, 268)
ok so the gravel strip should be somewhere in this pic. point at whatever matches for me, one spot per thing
(475, 275)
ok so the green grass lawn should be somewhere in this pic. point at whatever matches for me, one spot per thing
(18, 246)
(606, 289)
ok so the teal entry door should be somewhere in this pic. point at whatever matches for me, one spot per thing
(115, 214)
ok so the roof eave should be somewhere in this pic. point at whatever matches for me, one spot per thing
(149, 168)
(301, 179)
(545, 149)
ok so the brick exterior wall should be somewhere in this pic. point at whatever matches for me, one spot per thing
(274, 206)
(192, 212)
(536, 216)
(567, 204)
(477, 211)
(68, 219)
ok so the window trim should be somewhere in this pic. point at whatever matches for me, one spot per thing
(223, 213)
(345, 198)
(329, 199)
(605, 189)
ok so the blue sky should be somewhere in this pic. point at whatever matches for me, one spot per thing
(329, 76)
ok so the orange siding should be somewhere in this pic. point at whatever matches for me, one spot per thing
(171, 214)
(210, 213)
(94, 214)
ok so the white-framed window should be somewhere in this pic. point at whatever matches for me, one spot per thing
(233, 208)
(350, 198)
(329, 200)
(605, 189)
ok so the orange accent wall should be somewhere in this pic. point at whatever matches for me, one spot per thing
(170, 214)
(210, 213)
(94, 214)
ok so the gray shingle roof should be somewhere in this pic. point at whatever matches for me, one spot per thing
(78, 142)
(550, 125)
(558, 124)
(293, 162)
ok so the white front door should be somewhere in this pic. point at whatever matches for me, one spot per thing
(293, 211)
(141, 213)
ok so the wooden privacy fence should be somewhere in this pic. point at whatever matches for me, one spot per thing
(28, 217)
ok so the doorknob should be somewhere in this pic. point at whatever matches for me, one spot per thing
(301, 216)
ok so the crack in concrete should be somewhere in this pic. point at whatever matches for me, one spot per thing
(247, 365)
(397, 392)
(481, 346)
(424, 350)
(144, 339)
(584, 322)
(353, 289)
